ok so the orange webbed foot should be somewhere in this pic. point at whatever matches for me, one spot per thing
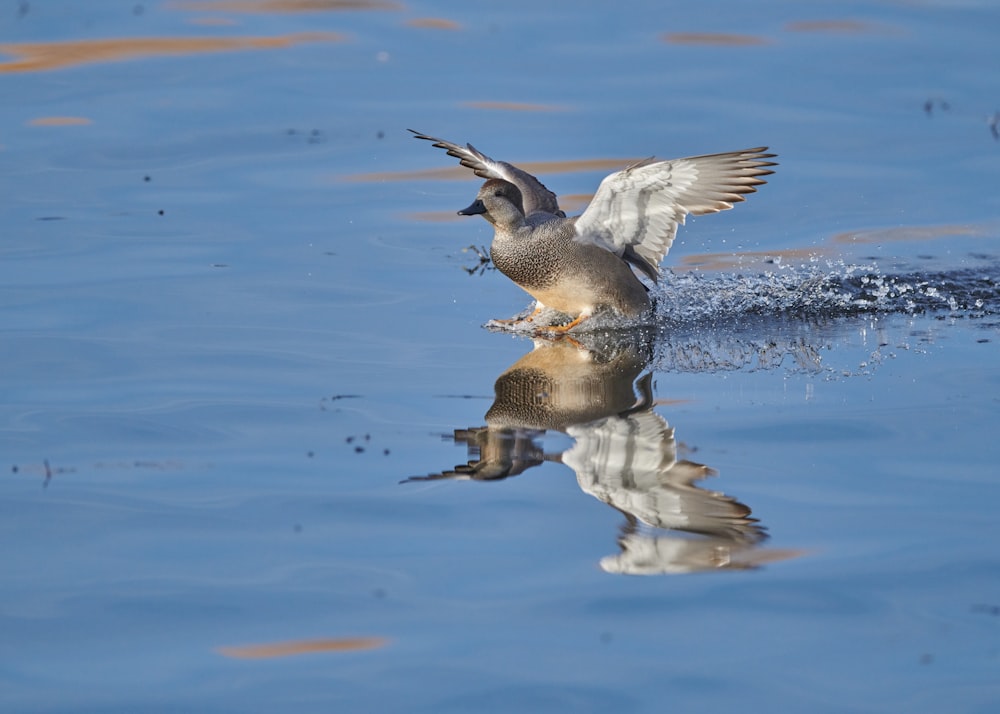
(563, 329)
(519, 320)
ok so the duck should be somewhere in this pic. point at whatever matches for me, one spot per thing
(597, 261)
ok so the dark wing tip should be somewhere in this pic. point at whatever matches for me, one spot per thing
(439, 143)
(761, 153)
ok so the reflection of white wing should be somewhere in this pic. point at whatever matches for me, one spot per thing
(636, 211)
(621, 454)
(630, 463)
(646, 555)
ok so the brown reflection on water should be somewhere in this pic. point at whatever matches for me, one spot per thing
(907, 233)
(46, 56)
(766, 260)
(453, 173)
(299, 647)
(746, 260)
(263, 7)
(433, 23)
(573, 203)
(59, 121)
(515, 106)
(435, 216)
(714, 38)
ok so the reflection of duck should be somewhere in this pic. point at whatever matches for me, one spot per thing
(623, 454)
(580, 265)
(554, 386)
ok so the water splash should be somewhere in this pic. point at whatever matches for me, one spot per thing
(804, 318)
(835, 289)
(830, 319)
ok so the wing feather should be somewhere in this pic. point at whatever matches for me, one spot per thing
(534, 194)
(636, 211)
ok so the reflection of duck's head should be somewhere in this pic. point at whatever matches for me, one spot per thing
(495, 454)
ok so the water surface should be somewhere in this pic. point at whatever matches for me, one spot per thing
(261, 453)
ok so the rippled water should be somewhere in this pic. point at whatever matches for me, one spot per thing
(262, 455)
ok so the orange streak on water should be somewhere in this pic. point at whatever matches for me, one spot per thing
(746, 260)
(907, 233)
(433, 23)
(714, 38)
(45, 56)
(299, 647)
(59, 121)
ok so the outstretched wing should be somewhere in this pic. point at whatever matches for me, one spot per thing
(636, 211)
(536, 197)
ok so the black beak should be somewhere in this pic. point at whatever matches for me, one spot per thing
(475, 209)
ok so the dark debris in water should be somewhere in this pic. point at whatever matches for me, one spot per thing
(935, 102)
(328, 401)
(361, 443)
(943, 106)
(310, 136)
(484, 264)
(48, 471)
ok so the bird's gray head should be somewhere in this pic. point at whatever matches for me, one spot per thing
(499, 202)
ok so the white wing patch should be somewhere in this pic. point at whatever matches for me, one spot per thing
(635, 212)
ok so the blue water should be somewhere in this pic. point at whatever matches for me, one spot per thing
(237, 337)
